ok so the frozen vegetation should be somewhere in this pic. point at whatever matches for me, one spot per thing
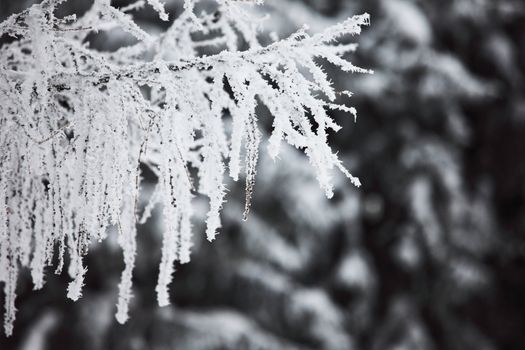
(77, 126)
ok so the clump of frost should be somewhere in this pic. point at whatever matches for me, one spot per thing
(75, 128)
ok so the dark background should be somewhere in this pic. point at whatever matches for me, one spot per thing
(428, 254)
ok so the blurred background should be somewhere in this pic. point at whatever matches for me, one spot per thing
(428, 254)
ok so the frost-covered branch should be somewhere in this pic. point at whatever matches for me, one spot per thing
(75, 125)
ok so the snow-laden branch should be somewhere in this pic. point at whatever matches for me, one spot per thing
(76, 124)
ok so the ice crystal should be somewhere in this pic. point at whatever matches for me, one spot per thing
(76, 127)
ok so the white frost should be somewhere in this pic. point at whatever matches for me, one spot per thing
(75, 128)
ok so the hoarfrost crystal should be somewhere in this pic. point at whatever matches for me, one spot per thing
(75, 129)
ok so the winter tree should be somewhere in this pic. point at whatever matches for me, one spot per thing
(78, 126)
